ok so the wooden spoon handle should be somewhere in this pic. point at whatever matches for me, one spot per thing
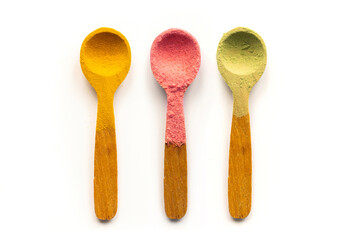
(240, 168)
(105, 164)
(175, 180)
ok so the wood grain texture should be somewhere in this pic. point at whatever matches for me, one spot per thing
(105, 175)
(175, 180)
(240, 168)
(105, 162)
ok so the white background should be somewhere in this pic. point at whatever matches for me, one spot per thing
(48, 117)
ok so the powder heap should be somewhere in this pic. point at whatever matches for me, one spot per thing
(175, 61)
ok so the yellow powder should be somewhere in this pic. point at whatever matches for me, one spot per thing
(105, 59)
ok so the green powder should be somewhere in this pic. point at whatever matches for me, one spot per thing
(241, 58)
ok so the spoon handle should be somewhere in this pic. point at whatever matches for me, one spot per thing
(175, 167)
(240, 168)
(175, 181)
(105, 162)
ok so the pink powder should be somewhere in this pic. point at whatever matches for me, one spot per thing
(175, 62)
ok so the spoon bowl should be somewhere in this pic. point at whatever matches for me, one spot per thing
(241, 53)
(175, 59)
(105, 55)
(105, 58)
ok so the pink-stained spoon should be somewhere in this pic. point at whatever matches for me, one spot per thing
(175, 62)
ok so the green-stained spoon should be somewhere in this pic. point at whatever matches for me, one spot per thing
(241, 58)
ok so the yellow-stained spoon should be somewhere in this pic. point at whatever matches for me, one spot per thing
(241, 58)
(105, 59)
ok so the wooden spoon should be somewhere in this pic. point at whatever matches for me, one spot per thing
(175, 62)
(241, 58)
(105, 59)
